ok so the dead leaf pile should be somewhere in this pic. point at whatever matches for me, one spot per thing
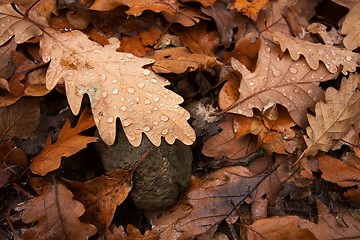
(266, 93)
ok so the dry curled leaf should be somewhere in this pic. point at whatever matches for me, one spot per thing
(118, 87)
(250, 8)
(293, 84)
(12, 24)
(68, 143)
(56, 214)
(333, 57)
(101, 196)
(334, 117)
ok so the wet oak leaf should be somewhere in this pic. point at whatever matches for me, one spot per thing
(131, 233)
(68, 143)
(333, 57)
(351, 28)
(13, 24)
(101, 196)
(180, 60)
(334, 117)
(137, 7)
(6, 67)
(118, 87)
(250, 8)
(293, 84)
(57, 215)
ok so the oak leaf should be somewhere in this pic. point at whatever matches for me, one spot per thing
(56, 214)
(12, 24)
(204, 3)
(6, 67)
(117, 86)
(180, 60)
(334, 117)
(131, 233)
(293, 84)
(351, 27)
(250, 8)
(101, 196)
(137, 7)
(68, 143)
(333, 57)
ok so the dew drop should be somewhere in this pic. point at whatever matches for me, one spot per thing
(348, 58)
(3, 25)
(164, 131)
(129, 55)
(126, 122)
(296, 90)
(267, 49)
(102, 77)
(156, 99)
(131, 137)
(153, 80)
(123, 108)
(146, 128)
(251, 83)
(110, 119)
(130, 90)
(115, 91)
(164, 118)
(310, 91)
(276, 73)
(141, 85)
(114, 81)
(293, 70)
(137, 99)
(147, 101)
(104, 94)
(155, 123)
(146, 72)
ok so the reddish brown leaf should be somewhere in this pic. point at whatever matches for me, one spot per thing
(101, 196)
(68, 143)
(56, 214)
(250, 8)
(131, 233)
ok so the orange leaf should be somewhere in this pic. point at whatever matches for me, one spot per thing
(68, 143)
(250, 8)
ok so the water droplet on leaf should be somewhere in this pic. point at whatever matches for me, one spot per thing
(130, 90)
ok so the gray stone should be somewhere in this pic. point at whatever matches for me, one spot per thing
(159, 179)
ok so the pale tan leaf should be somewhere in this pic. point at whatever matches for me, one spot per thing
(13, 24)
(290, 83)
(68, 143)
(118, 87)
(19, 119)
(332, 57)
(351, 28)
(57, 215)
(334, 117)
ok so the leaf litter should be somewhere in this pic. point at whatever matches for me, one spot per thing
(292, 129)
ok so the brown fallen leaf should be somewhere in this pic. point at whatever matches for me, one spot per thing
(180, 60)
(19, 119)
(214, 201)
(137, 7)
(131, 233)
(12, 161)
(293, 84)
(68, 143)
(250, 8)
(117, 86)
(13, 24)
(333, 57)
(6, 67)
(275, 228)
(225, 144)
(329, 227)
(350, 27)
(336, 171)
(334, 117)
(101, 196)
(56, 214)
